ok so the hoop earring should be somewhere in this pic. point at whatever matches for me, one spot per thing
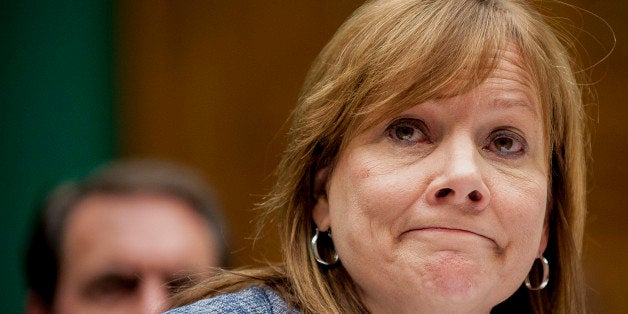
(545, 280)
(314, 249)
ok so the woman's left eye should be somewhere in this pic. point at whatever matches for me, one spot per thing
(507, 144)
(406, 131)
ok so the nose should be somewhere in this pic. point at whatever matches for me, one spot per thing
(154, 296)
(458, 180)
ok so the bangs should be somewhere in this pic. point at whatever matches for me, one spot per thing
(392, 55)
(425, 54)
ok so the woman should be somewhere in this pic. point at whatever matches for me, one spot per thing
(442, 142)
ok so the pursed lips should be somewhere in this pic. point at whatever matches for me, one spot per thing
(451, 230)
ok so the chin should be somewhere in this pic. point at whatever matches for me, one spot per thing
(452, 293)
(463, 282)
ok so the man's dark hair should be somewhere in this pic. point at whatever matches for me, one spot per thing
(118, 178)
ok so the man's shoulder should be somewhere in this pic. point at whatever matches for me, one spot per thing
(252, 300)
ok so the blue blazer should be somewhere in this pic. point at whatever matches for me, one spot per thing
(252, 300)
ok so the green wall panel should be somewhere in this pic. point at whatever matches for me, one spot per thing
(56, 117)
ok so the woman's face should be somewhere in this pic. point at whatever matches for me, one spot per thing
(442, 207)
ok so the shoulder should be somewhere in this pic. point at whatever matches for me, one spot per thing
(252, 300)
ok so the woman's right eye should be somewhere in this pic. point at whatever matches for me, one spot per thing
(408, 131)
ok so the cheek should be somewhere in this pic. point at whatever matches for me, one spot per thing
(368, 190)
(521, 208)
(366, 199)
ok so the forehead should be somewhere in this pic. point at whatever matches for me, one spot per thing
(511, 65)
(135, 231)
(506, 77)
(510, 84)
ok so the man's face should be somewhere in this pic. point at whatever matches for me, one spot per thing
(125, 253)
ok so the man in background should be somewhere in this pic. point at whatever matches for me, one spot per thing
(122, 240)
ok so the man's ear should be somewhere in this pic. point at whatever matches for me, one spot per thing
(320, 212)
(35, 304)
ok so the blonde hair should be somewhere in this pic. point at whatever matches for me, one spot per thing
(388, 56)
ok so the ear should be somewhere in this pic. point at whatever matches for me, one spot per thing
(544, 237)
(35, 304)
(320, 212)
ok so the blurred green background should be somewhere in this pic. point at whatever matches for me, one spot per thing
(56, 117)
